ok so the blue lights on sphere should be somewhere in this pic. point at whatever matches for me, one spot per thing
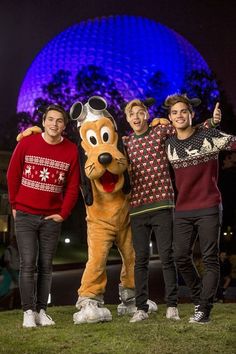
(131, 51)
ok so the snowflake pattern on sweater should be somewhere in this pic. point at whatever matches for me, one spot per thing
(202, 147)
(43, 178)
(44, 174)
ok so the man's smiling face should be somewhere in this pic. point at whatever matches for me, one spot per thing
(180, 116)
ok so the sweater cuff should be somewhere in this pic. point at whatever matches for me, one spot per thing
(64, 215)
(212, 124)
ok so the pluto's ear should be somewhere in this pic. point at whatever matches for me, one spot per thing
(126, 187)
(120, 145)
(86, 186)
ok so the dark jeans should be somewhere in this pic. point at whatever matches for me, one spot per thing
(160, 222)
(186, 230)
(37, 240)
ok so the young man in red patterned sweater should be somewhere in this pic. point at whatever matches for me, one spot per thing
(151, 204)
(193, 154)
(43, 183)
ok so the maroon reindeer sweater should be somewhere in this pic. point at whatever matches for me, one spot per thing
(195, 163)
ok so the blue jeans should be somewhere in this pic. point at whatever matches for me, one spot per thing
(37, 240)
(161, 223)
(207, 229)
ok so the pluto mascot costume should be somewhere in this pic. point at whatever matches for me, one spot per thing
(105, 188)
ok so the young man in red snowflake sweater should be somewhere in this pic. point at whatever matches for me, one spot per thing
(151, 203)
(43, 183)
(193, 154)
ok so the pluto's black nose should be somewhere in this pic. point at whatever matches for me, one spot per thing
(105, 158)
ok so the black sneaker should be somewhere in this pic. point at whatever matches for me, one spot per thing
(196, 310)
(200, 317)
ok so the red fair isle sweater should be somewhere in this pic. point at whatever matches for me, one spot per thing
(149, 170)
(195, 163)
(43, 179)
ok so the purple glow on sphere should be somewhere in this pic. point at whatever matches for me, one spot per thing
(129, 49)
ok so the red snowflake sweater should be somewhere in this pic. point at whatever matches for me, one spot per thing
(195, 163)
(43, 179)
(149, 170)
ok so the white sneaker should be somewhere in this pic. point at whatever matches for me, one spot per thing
(152, 306)
(126, 309)
(80, 317)
(91, 313)
(42, 319)
(130, 308)
(139, 315)
(172, 313)
(29, 319)
(106, 314)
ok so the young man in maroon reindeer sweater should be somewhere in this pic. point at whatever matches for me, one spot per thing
(193, 154)
(43, 183)
(151, 203)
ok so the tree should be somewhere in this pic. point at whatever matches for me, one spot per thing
(202, 84)
(157, 87)
(90, 81)
(10, 129)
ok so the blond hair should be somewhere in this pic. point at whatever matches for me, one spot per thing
(133, 103)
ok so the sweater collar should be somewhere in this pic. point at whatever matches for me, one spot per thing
(142, 135)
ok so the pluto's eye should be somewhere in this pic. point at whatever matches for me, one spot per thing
(105, 134)
(92, 137)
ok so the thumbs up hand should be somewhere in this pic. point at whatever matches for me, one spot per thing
(217, 114)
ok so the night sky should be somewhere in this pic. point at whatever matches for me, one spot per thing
(26, 26)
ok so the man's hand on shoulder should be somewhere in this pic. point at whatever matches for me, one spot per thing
(157, 121)
(28, 131)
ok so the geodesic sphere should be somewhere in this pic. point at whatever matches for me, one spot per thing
(129, 49)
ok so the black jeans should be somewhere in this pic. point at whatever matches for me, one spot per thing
(186, 230)
(160, 222)
(37, 240)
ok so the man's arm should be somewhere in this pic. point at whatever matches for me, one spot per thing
(71, 190)
(28, 131)
(14, 174)
(215, 120)
(72, 185)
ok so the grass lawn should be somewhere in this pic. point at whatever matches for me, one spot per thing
(155, 335)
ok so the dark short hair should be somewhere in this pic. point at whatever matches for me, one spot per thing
(171, 100)
(58, 108)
